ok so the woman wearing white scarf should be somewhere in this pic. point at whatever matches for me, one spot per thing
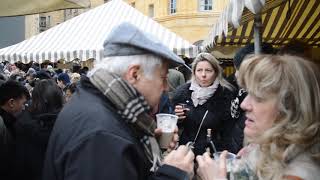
(207, 91)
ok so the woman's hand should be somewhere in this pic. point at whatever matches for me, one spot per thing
(180, 111)
(209, 169)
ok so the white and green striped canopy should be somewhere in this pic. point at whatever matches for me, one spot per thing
(82, 37)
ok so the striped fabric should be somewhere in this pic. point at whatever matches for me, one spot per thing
(82, 36)
(282, 22)
(24, 7)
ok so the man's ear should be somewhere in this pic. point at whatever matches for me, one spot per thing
(11, 103)
(133, 74)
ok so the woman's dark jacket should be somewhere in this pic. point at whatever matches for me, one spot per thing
(91, 141)
(32, 136)
(218, 119)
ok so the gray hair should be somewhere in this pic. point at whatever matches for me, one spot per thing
(120, 64)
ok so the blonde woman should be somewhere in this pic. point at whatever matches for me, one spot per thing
(207, 92)
(282, 120)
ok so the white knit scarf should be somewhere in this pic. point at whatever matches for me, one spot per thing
(200, 95)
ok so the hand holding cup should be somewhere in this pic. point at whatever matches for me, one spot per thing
(182, 158)
(168, 125)
(180, 110)
(174, 141)
(212, 169)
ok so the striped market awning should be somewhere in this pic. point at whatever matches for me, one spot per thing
(82, 37)
(282, 22)
(25, 7)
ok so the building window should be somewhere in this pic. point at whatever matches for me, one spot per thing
(49, 21)
(43, 22)
(67, 14)
(75, 12)
(205, 5)
(151, 10)
(70, 13)
(173, 6)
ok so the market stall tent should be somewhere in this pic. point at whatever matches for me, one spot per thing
(82, 37)
(282, 21)
(26, 7)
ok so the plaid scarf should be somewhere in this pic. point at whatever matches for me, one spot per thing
(133, 108)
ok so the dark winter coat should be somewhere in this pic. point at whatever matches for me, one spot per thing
(91, 141)
(7, 140)
(218, 119)
(32, 136)
(238, 115)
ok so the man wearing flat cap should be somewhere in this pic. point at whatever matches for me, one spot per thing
(106, 131)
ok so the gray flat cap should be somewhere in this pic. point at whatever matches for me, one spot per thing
(126, 39)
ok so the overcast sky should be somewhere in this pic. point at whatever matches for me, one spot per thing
(11, 30)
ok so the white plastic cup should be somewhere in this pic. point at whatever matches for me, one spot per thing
(229, 160)
(167, 123)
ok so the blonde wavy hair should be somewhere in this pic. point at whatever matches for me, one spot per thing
(295, 82)
(216, 67)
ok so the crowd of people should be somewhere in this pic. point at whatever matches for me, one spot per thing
(100, 124)
(31, 99)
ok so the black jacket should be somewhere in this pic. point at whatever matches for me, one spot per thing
(7, 147)
(218, 119)
(32, 136)
(91, 141)
(238, 115)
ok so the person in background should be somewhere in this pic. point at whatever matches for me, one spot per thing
(297, 48)
(106, 130)
(30, 79)
(3, 77)
(175, 79)
(1, 68)
(51, 71)
(76, 68)
(33, 129)
(282, 120)
(165, 105)
(75, 77)
(84, 70)
(43, 74)
(63, 81)
(207, 96)
(186, 70)
(13, 97)
(58, 71)
(70, 89)
(17, 77)
(244, 52)
(2, 74)
(237, 114)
